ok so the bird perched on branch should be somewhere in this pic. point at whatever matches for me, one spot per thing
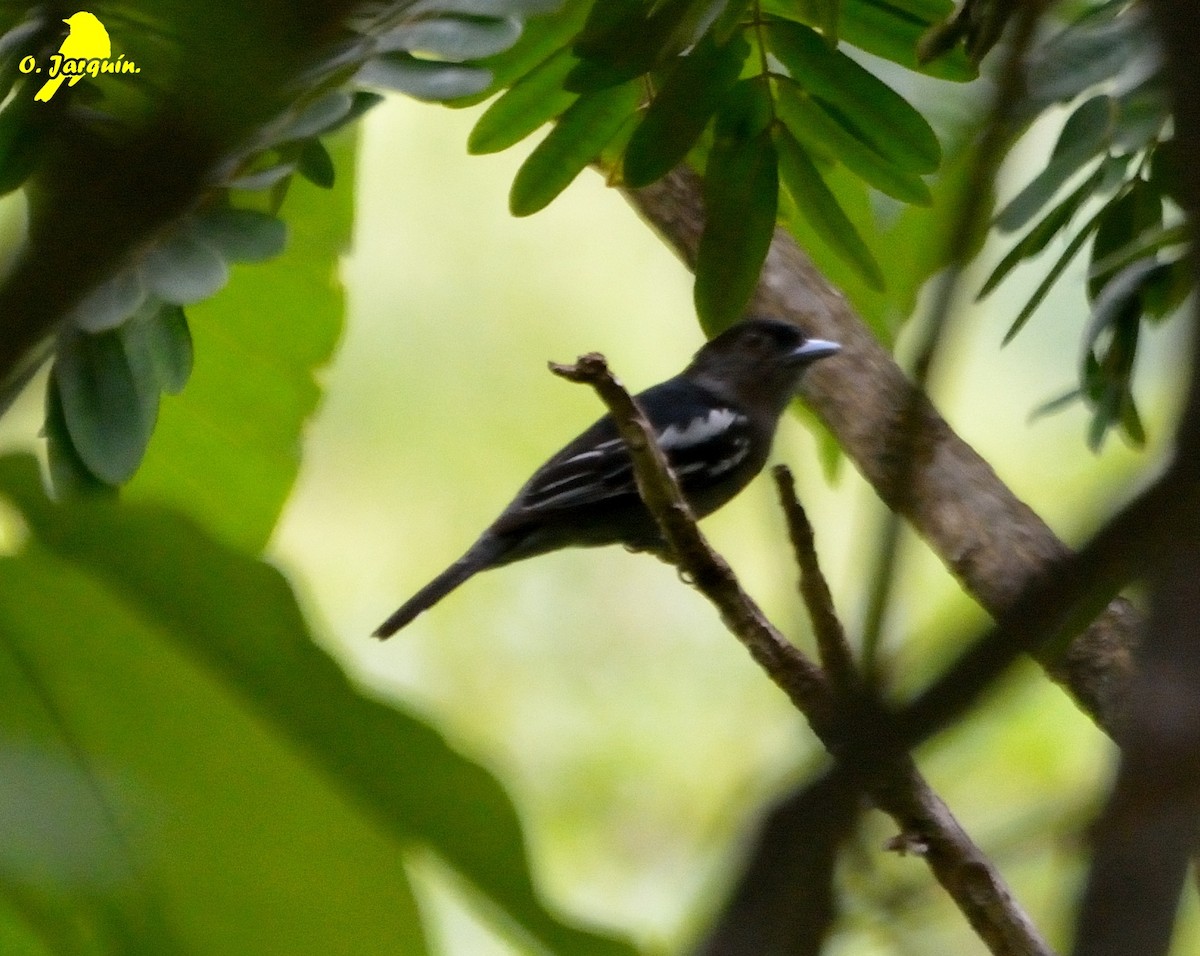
(715, 422)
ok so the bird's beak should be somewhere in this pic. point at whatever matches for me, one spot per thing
(814, 349)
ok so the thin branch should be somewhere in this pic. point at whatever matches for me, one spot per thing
(970, 220)
(894, 784)
(834, 649)
(994, 543)
(786, 665)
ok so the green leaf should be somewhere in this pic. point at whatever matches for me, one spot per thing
(69, 475)
(279, 798)
(316, 165)
(183, 270)
(455, 38)
(543, 38)
(816, 202)
(1037, 238)
(820, 130)
(227, 449)
(678, 114)
(578, 137)
(1136, 210)
(1092, 50)
(1083, 137)
(428, 80)
(1115, 297)
(1051, 277)
(321, 115)
(879, 115)
(1166, 289)
(111, 304)
(108, 406)
(533, 100)
(1141, 246)
(262, 178)
(1141, 115)
(741, 193)
(169, 344)
(241, 235)
(624, 39)
(884, 29)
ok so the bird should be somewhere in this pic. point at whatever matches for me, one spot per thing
(86, 40)
(715, 421)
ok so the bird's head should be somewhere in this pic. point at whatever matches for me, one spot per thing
(759, 360)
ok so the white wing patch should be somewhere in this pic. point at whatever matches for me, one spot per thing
(699, 430)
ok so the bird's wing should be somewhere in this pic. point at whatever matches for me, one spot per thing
(703, 440)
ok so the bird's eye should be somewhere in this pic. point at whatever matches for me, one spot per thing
(755, 341)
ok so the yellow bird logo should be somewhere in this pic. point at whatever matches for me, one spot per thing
(86, 40)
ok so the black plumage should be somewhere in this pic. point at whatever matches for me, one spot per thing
(715, 421)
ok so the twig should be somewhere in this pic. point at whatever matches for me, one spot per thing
(994, 543)
(894, 783)
(786, 665)
(832, 645)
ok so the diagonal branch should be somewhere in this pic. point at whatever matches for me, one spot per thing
(893, 783)
(993, 543)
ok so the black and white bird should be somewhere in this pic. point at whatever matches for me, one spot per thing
(715, 422)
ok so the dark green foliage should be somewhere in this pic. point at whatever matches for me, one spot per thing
(741, 186)
(818, 104)
(1114, 148)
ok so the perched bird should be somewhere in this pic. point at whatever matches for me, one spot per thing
(715, 421)
(86, 40)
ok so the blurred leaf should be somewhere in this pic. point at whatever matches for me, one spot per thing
(543, 38)
(319, 116)
(316, 165)
(1117, 41)
(262, 178)
(884, 29)
(1037, 238)
(1083, 136)
(1115, 297)
(1166, 289)
(1136, 210)
(623, 39)
(577, 138)
(741, 192)
(252, 750)
(1142, 245)
(678, 114)
(69, 475)
(110, 304)
(485, 8)
(1047, 283)
(108, 409)
(183, 270)
(455, 38)
(226, 451)
(1141, 115)
(241, 235)
(815, 201)
(877, 114)
(169, 343)
(423, 79)
(822, 133)
(533, 100)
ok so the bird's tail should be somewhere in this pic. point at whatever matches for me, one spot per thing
(482, 555)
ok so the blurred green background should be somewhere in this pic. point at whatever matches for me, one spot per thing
(635, 734)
